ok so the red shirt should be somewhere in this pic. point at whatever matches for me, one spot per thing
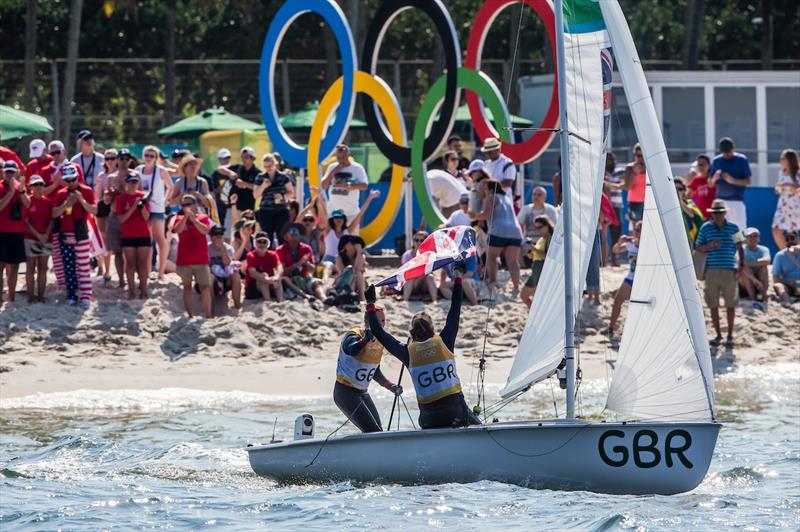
(47, 172)
(10, 155)
(135, 226)
(7, 225)
(192, 244)
(35, 166)
(288, 258)
(265, 264)
(39, 215)
(78, 213)
(702, 194)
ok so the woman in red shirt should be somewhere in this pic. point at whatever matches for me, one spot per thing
(134, 215)
(192, 260)
(12, 227)
(703, 194)
(38, 248)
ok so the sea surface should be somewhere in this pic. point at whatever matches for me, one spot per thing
(175, 459)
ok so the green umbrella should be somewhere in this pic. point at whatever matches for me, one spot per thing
(304, 119)
(215, 119)
(462, 115)
(15, 123)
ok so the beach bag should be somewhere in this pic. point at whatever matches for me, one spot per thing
(699, 259)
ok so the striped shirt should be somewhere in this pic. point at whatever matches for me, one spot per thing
(729, 236)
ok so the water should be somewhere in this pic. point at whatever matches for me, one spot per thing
(174, 459)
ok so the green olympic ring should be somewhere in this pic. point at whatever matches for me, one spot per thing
(469, 79)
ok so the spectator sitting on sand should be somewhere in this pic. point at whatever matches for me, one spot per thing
(224, 269)
(754, 277)
(335, 225)
(786, 270)
(421, 286)
(243, 242)
(544, 227)
(350, 261)
(469, 280)
(264, 272)
(298, 265)
(461, 215)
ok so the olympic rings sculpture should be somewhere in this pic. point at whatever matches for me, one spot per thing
(430, 132)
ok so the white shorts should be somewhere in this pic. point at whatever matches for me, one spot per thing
(737, 213)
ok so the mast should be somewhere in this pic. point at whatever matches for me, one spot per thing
(569, 285)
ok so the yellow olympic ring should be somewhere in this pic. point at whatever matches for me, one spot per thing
(384, 97)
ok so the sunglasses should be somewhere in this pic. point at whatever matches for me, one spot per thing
(149, 155)
(680, 189)
(293, 232)
(111, 158)
(539, 226)
(187, 204)
(308, 221)
(419, 240)
(124, 157)
(37, 185)
(262, 241)
(57, 152)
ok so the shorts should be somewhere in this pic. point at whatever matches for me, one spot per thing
(34, 248)
(113, 234)
(721, 282)
(103, 209)
(140, 242)
(329, 258)
(12, 248)
(628, 281)
(536, 272)
(500, 242)
(158, 216)
(251, 291)
(306, 284)
(199, 272)
(635, 211)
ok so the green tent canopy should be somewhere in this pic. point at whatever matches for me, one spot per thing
(214, 119)
(304, 119)
(15, 123)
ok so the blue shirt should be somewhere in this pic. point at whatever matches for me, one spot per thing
(784, 267)
(761, 252)
(729, 236)
(470, 265)
(738, 167)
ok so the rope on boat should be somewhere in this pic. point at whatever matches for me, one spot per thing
(346, 421)
(536, 455)
(407, 412)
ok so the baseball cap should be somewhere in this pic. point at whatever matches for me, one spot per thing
(132, 178)
(248, 150)
(69, 172)
(55, 145)
(217, 230)
(751, 231)
(464, 198)
(726, 144)
(10, 166)
(124, 152)
(224, 153)
(36, 180)
(84, 134)
(37, 148)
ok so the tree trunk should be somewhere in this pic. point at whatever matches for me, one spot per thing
(693, 23)
(169, 65)
(766, 34)
(30, 54)
(70, 76)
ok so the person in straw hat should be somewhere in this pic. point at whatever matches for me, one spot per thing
(190, 183)
(500, 167)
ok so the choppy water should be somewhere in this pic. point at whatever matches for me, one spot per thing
(175, 459)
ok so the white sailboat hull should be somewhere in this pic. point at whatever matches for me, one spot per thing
(624, 458)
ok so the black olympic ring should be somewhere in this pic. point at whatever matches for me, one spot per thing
(386, 13)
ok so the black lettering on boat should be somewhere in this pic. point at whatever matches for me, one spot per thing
(620, 449)
(651, 448)
(669, 449)
(645, 446)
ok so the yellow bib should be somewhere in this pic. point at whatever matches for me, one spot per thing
(433, 369)
(357, 371)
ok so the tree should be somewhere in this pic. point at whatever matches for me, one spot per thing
(73, 41)
(30, 54)
(694, 22)
(169, 64)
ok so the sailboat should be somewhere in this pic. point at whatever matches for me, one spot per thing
(659, 431)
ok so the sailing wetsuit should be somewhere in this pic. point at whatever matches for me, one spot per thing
(445, 411)
(359, 363)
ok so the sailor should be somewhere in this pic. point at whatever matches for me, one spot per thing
(430, 361)
(359, 364)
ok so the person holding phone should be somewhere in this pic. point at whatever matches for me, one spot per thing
(192, 260)
(13, 203)
(133, 211)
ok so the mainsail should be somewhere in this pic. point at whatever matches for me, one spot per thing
(586, 57)
(664, 367)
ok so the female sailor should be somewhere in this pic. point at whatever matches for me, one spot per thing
(430, 361)
(359, 364)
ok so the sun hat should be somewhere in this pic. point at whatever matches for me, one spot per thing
(718, 205)
(188, 158)
(490, 144)
(351, 239)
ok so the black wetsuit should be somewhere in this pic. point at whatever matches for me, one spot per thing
(451, 410)
(355, 404)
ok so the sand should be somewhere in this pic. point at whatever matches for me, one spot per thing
(290, 349)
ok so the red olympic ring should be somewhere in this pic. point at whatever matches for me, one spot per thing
(531, 148)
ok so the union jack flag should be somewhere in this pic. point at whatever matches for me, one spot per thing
(441, 248)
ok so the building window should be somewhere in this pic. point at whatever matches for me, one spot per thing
(735, 115)
(783, 120)
(684, 122)
(623, 134)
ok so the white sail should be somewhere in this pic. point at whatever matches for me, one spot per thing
(541, 347)
(665, 350)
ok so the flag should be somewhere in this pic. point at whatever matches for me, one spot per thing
(441, 248)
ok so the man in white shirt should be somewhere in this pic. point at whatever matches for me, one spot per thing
(499, 166)
(344, 179)
(90, 161)
(461, 216)
(539, 207)
(446, 190)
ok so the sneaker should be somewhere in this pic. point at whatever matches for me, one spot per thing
(71, 302)
(715, 341)
(729, 342)
(758, 305)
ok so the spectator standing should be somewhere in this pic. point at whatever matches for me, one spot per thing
(538, 207)
(693, 219)
(222, 187)
(192, 260)
(298, 265)
(460, 216)
(425, 284)
(104, 206)
(243, 242)
(53, 171)
(613, 184)
(275, 190)
(39, 158)
(730, 174)
(754, 274)
(133, 212)
(344, 180)
(7, 154)
(499, 166)
(454, 144)
(787, 214)
(477, 173)
(721, 240)
(72, 205)
(13, 213)
(786, 271)
(244, 177)
(544, 228)
(452, 162)
(505, 237)
(264, 272)
(190, 183)
(157, 186)
(636, 184)
(115, 184)
(90, 161)
(446, 191)
(224, 268)
(39, 224)
(702, 193)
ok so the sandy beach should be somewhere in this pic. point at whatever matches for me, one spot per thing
(290, 349)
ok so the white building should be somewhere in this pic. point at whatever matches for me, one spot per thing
(759, 110)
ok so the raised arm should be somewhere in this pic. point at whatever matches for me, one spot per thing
(450, 330)
(357, 220)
